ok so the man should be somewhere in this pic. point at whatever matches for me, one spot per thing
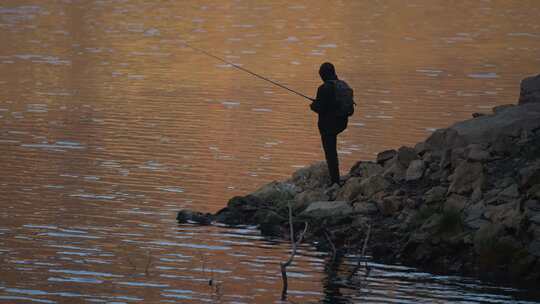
(330, 123)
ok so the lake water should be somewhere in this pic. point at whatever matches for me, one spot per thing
(109, 125)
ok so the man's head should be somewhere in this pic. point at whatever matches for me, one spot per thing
(327, 71)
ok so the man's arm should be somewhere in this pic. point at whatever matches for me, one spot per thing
(325, 95)
(316, 104)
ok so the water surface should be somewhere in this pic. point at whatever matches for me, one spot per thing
(109, 125)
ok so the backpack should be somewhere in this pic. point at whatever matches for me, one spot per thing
(344, 99)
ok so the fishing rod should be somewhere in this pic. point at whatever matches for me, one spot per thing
(245, 70)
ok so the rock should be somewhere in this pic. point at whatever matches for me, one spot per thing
(443, 139)
(504, 145)
(303, 199)
(535, 231)
(476, 114)
(499, 109)
(532, 206)
(331, 191)
(365, 169)
(492, 193)
(486, 129)
(534, 192)
(530, 90)
(276, 192)
(240, 210)
(510, 192)
(350, 190)
(311, 177)
(416, 170)
(446, 159)
(373, 184)
(467, 177)
(457, 156)
(245, 203)
(435, 194)
(365, 207)
(394, 170)
(530, 175)
(474, 211)
(384, 156)
(535, 219)
(326, 209)
(455, 202)
(405, 155)
(507, 214)
(421, 148)
(388, 206)
(477, 223)
(270, 222)
(476, 195)
(534, 248)
(431, 224)
(188, 216)
(500, 185)
(476, 152)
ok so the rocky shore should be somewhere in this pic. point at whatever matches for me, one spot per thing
(466, 200)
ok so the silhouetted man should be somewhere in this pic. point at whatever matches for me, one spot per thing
(330, 123)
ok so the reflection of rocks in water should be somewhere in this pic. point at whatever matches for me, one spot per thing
(465, 200)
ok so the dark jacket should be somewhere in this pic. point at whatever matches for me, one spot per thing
(325, 105)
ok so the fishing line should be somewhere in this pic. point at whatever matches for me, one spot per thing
(244, 69)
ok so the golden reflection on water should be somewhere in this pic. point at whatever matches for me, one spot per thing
(109, 124)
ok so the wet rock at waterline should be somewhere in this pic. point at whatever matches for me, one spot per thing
(466, 200)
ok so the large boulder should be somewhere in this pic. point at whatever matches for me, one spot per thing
(304, 199)
(477, 152)
(269, 221)
(405, 155)
(365, 169)
(532, 206)
(240, 210)
(455, 202)
(276, 192)
(365, 207)
(350, 190)
(530, 90)
(443, 139)
(388, 206)
(534, 248)
(435, 194)
(384, 156)
(393, 169)
(416, 170)
(373, 185)
(311, 177)
(530, 175)
(326, 209)
(511, 122)
(467, 177)
(474, 216)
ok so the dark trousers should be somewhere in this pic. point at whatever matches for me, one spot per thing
(329, 143)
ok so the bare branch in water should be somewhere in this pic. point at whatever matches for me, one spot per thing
(362, 256)
(329, 240)
(293, 253)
